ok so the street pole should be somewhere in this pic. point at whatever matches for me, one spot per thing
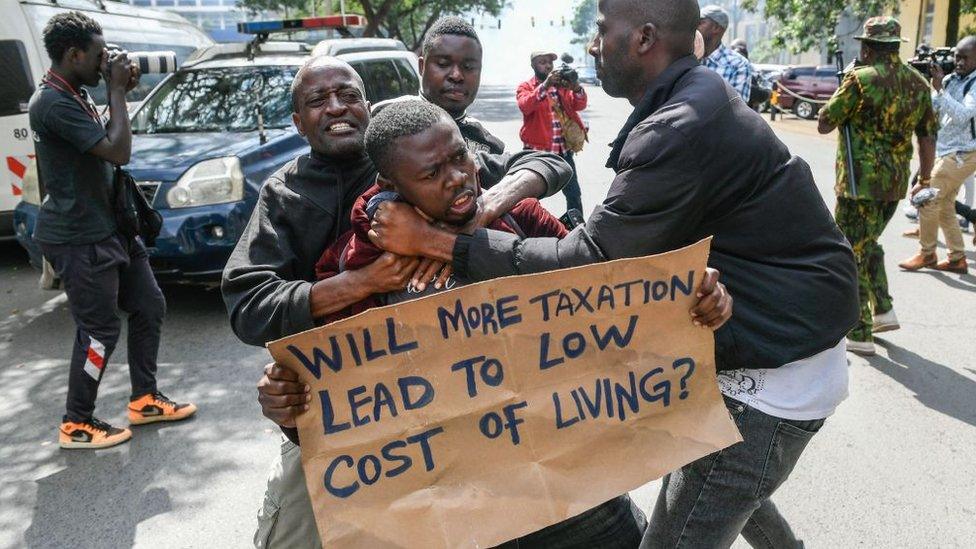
(846, 130)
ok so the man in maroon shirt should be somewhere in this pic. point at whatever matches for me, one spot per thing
(538, 98)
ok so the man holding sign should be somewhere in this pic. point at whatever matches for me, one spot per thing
(449, 197)
(693, 160)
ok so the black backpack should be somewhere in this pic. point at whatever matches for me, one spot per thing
(133, 214)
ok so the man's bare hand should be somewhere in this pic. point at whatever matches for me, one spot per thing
(714, 307)
(282, 396)
(390, 272)
(398, 228)
(135, 73)
(937, 75)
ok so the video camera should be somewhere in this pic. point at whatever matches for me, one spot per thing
(926, 55)
(149, 62)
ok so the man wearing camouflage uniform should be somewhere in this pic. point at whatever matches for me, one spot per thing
(883, 101)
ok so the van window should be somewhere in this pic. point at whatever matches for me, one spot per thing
(826, 73)
(15, 80)
(803, 72)
(381, 79)
(219, 99)
(148, 81)
(408, 77)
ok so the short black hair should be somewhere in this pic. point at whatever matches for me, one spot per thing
(71, 29)
(399, 119)
(450, 24)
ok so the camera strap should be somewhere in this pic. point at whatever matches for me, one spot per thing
(49, 79)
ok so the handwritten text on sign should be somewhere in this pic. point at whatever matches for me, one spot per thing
(478, 415)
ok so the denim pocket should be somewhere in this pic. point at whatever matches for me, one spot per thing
(787, 444)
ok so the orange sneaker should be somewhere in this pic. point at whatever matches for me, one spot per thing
(91, 434)
(156, 407)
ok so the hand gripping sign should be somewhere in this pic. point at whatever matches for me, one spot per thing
(474, 416)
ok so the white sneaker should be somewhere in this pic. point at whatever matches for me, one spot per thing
(863, 348)
(885, 322)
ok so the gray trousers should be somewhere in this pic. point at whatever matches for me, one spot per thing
(102, 280)
(709, 502)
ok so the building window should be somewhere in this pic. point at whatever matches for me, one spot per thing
(142, 2)
(928, 22)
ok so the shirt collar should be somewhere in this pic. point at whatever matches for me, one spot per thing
(655, 96)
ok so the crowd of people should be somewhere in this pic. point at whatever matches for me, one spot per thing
(414, 196)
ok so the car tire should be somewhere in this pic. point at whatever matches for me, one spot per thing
(805, 109)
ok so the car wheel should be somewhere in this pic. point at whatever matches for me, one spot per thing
(805, 110)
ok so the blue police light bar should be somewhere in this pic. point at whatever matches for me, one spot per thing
(327, 22)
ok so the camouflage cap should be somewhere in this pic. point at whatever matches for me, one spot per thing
(883, 28)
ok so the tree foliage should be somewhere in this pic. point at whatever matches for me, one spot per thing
(805, 24)
(584, 20)
(406, 20)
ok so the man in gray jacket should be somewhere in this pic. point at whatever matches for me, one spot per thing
(692, 161)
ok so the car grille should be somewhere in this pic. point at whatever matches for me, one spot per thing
(148, 190)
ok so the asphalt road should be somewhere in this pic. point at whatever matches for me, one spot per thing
(893, 467)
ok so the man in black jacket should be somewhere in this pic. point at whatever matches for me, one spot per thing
(269, 284)
(693, 160)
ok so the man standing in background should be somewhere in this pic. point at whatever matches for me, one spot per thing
(731, 66)
(954, 101)
(550, 107)
(883, 101)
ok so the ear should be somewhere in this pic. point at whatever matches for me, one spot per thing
(384, 183)
(420, 65)
(298, 123)
(647, 38)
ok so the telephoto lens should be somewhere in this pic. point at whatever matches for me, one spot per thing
(154, 62)
(149, 62)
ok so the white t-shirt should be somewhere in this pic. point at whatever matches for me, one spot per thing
(804, 390)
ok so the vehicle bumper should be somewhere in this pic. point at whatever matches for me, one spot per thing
(194, 243)
(7, 225)
(192, 247)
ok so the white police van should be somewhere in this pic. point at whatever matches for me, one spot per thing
(23, 61)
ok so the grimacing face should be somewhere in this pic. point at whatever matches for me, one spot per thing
(434, 172)
(451, 72)
(332, 110)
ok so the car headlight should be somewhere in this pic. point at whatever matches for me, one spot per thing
(31, 191)
(213, 181)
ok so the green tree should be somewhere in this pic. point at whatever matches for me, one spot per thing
(805, 24)
(584, 21)
(406, 20)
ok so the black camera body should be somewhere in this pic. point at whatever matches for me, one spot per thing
(567, 74)
(926, 56)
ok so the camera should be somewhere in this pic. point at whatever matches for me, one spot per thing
(926, 55)
(149, 62)
(567, 74)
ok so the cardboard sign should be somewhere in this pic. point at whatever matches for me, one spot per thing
(478, 415)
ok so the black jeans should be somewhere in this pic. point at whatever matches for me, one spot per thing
(615, 524)
(709, 502)
(966, 212)
(572, 191)
(100, 280)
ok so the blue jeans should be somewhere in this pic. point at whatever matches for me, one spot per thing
(572, 192)
(709, 502)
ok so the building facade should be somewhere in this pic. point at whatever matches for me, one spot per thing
(218, 18)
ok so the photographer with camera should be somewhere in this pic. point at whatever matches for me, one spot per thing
(102, 270)
(954, 101)
(881, 102)
(550, 102)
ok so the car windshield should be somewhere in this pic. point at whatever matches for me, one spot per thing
(219, 99)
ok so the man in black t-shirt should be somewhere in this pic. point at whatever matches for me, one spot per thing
(102, 270)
